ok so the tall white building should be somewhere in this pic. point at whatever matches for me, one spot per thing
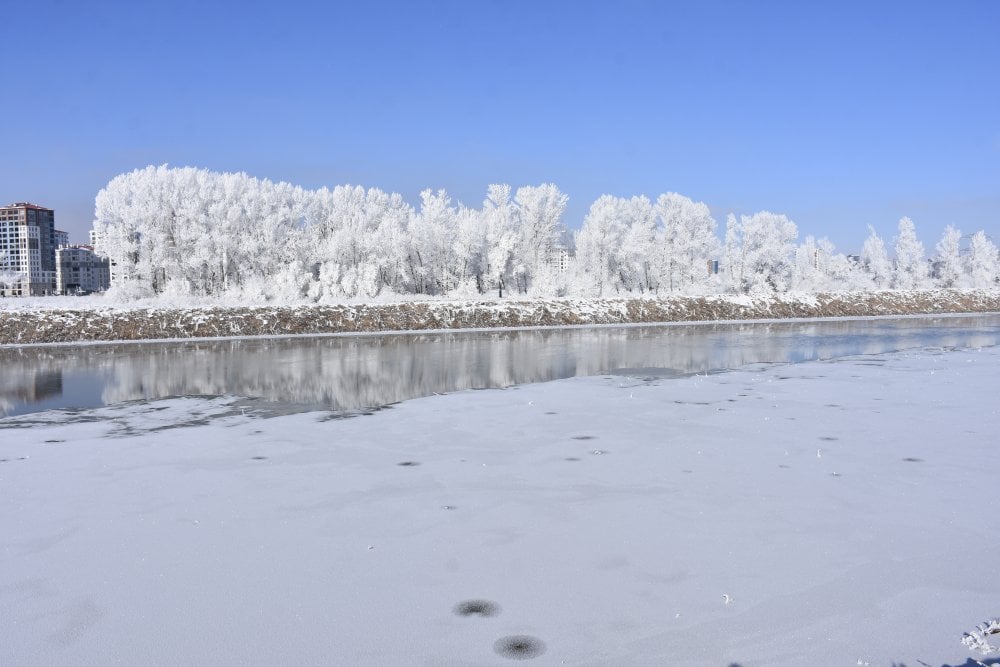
(27, 250)
(558, 258)
(117, 277)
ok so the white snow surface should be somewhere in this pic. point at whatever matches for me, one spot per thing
(828, 513)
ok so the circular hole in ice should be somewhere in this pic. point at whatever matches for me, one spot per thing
(519, 647)
(482, 608)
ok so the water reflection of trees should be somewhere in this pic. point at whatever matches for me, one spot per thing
(360, 371)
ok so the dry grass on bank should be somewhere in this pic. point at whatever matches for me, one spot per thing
(21, 326)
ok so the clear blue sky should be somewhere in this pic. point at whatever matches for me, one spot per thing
(839, 114)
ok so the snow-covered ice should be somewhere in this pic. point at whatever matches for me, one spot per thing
(831, 513)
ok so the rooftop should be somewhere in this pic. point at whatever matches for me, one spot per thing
(25, 204)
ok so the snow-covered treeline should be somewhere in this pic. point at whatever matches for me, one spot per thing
(192, 231)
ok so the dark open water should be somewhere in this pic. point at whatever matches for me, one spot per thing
(355, 372)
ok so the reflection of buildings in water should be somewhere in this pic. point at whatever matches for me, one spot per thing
(47, 384)
(366, 371)
(31, 388)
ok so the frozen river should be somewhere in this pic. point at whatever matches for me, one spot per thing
(345, 373)
(838, 510)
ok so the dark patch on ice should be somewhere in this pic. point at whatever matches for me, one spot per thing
(910, 459)
(831, 405)
(77, 618)
(55, 441)
(551, 413)
(828, 438)
(484, 608)
(731, 400)
(571, 458)
(519, 647)
(256, 432)
(408, 464)
(585, 437)
(259, 458)
(334, 415)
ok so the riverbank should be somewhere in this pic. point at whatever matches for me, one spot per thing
(95, 320)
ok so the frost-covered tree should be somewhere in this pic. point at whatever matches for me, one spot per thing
(616, 246)
(984, 261)
(807, 273)
(948, 268)
(910, 271)
(500, 216)
(599, 247)
(686, 241)
(733, 265)
(432, 262)
(356, 241)
(817, 268)
(470, 248)
(845, 275)
(9, 275)
(540, 211)
(193, 231)
(639, 245)
(763, 244)
(875, 260)
(196, 232)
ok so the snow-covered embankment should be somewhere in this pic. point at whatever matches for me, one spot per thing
(97, 321)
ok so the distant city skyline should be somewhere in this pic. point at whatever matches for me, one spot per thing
(838, 115)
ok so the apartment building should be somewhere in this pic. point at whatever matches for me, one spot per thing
(80, 271)
(28, 239)
(558, 258)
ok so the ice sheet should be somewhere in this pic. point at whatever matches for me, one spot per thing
(840, 512)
